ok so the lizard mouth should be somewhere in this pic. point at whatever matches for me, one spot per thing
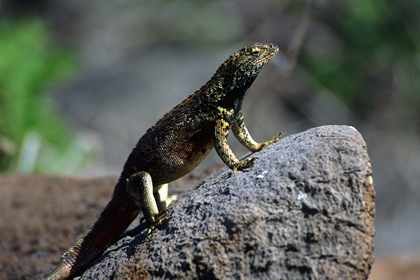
(267, 52)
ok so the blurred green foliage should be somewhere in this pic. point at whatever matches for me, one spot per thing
(33, 137)
(374, 40)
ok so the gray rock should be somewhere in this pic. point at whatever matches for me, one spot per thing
(304, 211)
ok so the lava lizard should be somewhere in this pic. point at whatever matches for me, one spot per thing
(171, 148)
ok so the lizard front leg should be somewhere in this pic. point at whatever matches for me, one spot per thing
(244, 137)
(153, 201)
(224, 151)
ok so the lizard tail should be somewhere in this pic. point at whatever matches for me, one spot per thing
(62, 271)
(113, 221)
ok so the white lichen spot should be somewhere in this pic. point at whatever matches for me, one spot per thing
(260, 176)
(301, 196)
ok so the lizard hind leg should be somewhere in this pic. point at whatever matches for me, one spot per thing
(153, 201)
(162, 199)
(140, 188)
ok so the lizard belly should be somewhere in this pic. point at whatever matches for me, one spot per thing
(170, 155)
(183, 157)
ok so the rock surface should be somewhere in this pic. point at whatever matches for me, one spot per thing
(304, 211)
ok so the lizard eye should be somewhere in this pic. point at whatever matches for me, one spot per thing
(255, 50)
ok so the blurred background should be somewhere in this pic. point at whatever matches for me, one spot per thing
(81, 81)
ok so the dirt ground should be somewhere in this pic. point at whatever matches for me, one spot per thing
(42, 216)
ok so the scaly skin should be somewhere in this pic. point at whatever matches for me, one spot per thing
(171, 148)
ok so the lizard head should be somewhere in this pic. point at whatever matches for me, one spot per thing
(239, 71)
(241, 68)
(246, 64)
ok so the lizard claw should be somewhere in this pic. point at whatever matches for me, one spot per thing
(159, 221)
(275, 138)
(241, 165)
